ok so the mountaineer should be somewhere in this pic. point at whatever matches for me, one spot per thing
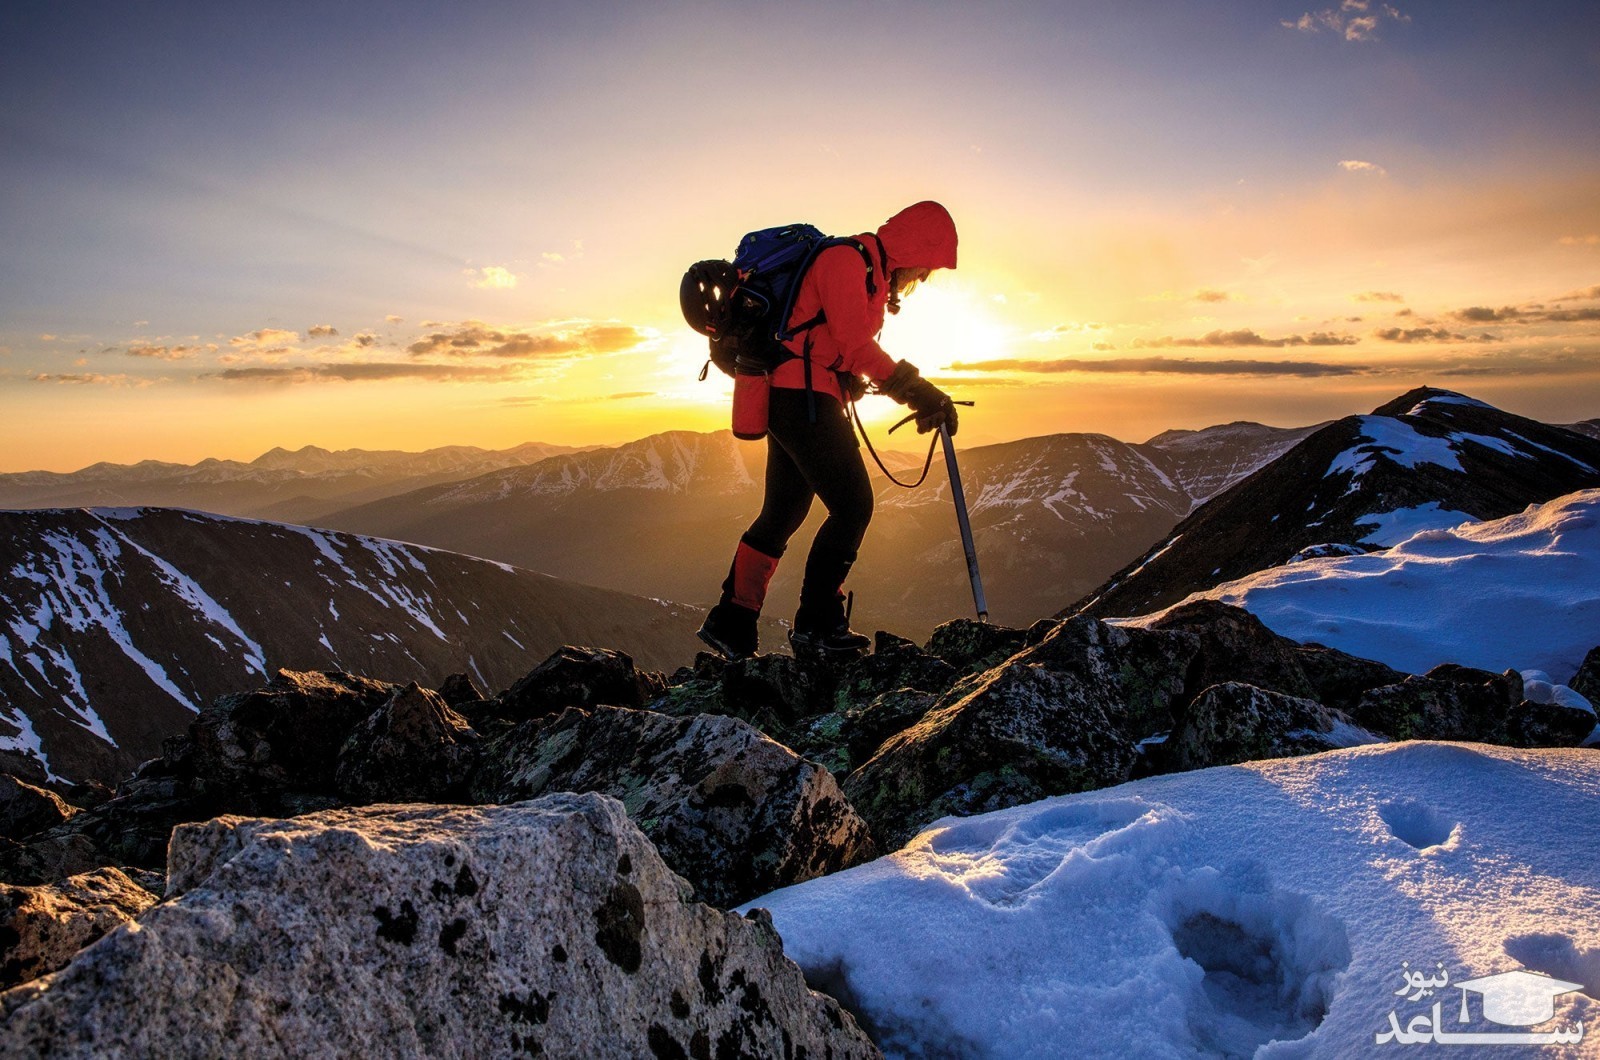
(829, 358)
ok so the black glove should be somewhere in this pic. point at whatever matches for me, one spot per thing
(933, 406)
(852, 386)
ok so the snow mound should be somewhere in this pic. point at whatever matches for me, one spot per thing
(1521, 592)
(1258, 910)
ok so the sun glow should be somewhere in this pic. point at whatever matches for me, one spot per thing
(943, 322)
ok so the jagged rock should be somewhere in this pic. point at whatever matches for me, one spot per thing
(1449, 702)
(1534, 724)
(25, 809)
(1233, 722)
(42, 927)
(414, 748)
(968, 644)
(551, 928)
(286, 735)
(865, 728)
(580, 677)
(1235, 646)
(1340, 679)
(732, 811)
(1053, 719)
(1586, 682)
(458, 689)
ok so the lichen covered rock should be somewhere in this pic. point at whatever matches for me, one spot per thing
(546, 928)
(732, 811)
(1234, 722)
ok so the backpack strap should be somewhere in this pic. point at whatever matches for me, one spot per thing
(821, 315)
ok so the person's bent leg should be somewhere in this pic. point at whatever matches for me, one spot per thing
(730, 628)
(827, 454)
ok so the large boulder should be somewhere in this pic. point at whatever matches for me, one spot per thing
(1449, 702)
(1233, 722)
(1060, 717)
(26, 809)
(286, 735)
(731, 810)
(547, 928)
(41, 928)
(414, 748)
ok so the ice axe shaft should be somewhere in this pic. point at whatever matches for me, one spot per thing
(971, 549)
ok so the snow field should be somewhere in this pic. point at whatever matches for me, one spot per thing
(1258, 910)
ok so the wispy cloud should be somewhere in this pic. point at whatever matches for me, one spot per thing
(1248, 337)
(170, 353)
(1353, 20)
(368, 372)
(266, 337)
(1356, 165)
(492, 277)
(1430, 335)
(475, 339)
(321, 330)
(1378, 296)
(1591, 240)
(1167, 366)
(88, 379)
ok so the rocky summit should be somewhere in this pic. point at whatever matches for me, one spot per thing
(549, 927)
(377, 855)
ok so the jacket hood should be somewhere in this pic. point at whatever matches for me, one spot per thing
(920, 237)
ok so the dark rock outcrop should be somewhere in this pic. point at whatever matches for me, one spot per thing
(1534, 724)
(414, 748)
(1449, 702)
(286, 735)
(1057, 718)
(41, 928)
(26, 809)
(551, 927)
(732, 811)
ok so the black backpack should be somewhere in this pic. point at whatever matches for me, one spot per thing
(743, 306)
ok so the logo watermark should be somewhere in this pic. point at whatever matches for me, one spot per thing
(1509, 999)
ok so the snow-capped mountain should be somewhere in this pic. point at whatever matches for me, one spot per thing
(1590, 428)
(116, 625)
(296, 486)
(1208, 461)
(1430, 458)
(1052, 515)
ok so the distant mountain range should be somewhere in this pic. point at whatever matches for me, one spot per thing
(1586, 427)
(299, 486)
(1053, 516)
(116, 625)
(1430, 458)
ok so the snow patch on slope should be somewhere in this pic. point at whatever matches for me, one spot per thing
(1523, 591)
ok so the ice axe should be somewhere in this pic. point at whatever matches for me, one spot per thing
(962, 520)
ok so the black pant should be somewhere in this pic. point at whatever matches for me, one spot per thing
(806, 460)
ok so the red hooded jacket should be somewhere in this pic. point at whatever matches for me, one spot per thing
(919, 237)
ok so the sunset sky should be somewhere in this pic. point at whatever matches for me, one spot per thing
(226, 227)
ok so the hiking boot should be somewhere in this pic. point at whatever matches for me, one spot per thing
(840, 641)
(730, 631)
